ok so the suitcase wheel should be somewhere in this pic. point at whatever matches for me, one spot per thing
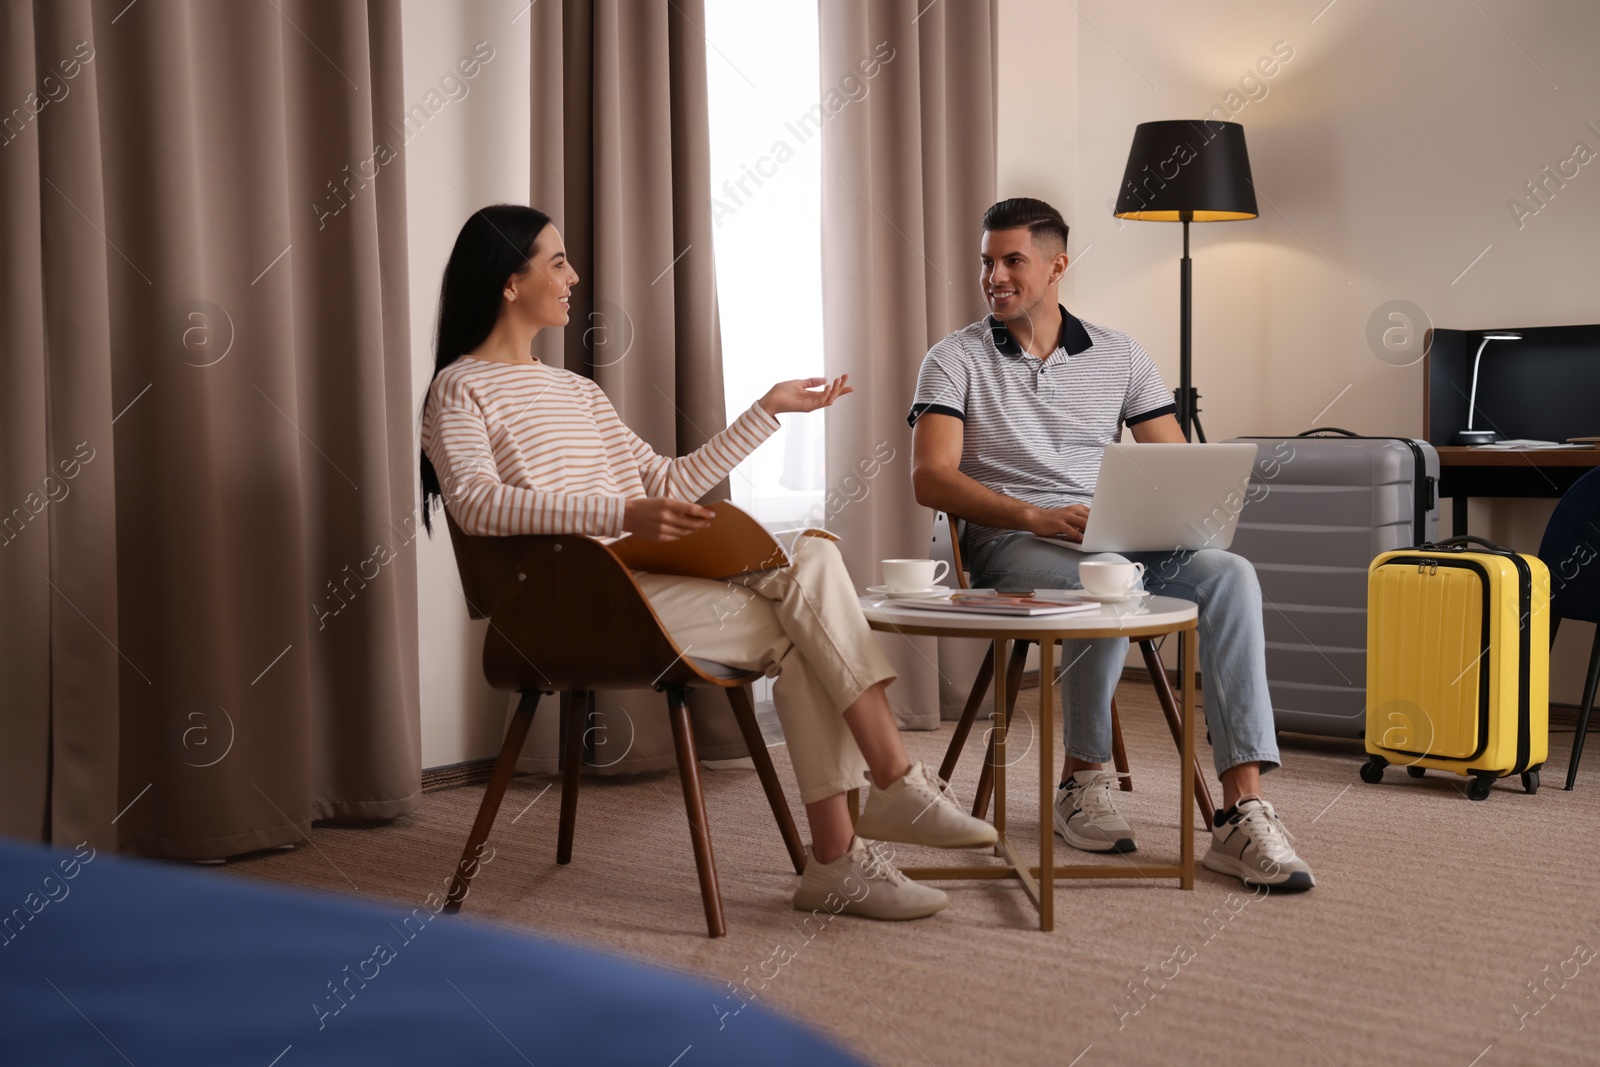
(1372, 770)
(1478, 788)
(1530, 781)
(1416, 772)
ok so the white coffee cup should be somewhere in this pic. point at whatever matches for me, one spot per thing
(913, 575)
(1110, 577)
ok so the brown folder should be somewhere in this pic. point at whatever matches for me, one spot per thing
(733, 544)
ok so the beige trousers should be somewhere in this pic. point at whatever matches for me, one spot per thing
(801, 623)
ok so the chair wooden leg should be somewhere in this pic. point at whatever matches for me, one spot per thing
(695, 802)
(985, 790)
(1169, 707)
(574, 724)
(969, 714)
(1589, 685)
(744, 713)
(1119, 754)
(499, 778)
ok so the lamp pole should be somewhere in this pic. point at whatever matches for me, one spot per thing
(1186, 397)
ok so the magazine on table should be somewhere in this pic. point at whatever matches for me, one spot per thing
(982, 603)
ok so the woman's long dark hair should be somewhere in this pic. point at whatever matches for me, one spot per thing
(495, 243)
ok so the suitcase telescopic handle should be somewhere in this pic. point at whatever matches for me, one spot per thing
(1328, 429)
(1468, 539)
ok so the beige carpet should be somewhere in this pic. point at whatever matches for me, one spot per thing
(1433, 918)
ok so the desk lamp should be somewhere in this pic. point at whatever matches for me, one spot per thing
(1187, 171)
(1469, 436)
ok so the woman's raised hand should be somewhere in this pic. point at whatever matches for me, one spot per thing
(804, 394)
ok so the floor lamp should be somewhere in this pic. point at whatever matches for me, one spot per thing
(1187, 171)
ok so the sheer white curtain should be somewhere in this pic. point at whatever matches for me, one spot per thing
(766, 188)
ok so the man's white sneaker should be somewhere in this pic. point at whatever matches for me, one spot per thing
(1250, 843)
(1085, 816)
(862, 882)
(919, 809)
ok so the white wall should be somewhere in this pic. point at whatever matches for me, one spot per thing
(1384, 153)
(473, 151)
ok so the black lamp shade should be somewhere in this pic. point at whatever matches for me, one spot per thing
(1187, 170)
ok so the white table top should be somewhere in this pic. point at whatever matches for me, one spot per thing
(1157, 612)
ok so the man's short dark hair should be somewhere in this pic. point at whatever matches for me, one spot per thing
(1042, 220)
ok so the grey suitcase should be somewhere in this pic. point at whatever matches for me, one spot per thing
(1319, 507)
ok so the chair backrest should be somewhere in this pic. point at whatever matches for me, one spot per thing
(572, 617)
(485, 565)
(565, 613)
(1571, 549)
(947, 545)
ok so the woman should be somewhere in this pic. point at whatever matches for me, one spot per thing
(512, 446)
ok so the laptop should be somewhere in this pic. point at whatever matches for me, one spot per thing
(1160, 497)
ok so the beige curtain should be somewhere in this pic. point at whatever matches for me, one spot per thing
(622, 161)
(206, 454)
(908, 167)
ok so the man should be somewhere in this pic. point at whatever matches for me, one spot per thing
(1011, 417)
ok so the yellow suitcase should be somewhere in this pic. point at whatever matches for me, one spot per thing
(1458, 663)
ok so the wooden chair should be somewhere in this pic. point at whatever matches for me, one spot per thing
(947, 545)
(565, 615)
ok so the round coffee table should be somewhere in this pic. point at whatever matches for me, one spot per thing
(1155, 617)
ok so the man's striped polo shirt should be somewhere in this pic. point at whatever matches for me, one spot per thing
(1037, 430)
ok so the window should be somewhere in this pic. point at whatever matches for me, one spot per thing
(762, 65)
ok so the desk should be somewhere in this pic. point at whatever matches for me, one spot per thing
(1533, 472)
(1158, 616)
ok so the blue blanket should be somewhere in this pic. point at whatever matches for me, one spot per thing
(109, 961)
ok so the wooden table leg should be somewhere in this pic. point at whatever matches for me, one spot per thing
(1001, 647)
(1187, 654)
(1047, 792)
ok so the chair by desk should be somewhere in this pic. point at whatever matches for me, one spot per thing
(1571, 549)
(565, 614)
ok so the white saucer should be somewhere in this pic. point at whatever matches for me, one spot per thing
(1099, 598)
(914, 594)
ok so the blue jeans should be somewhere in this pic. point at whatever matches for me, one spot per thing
(1232, 645)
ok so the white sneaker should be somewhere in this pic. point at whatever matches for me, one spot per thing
(1085, 816)
(1252, 845)
(919, 809)
(862, 882)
